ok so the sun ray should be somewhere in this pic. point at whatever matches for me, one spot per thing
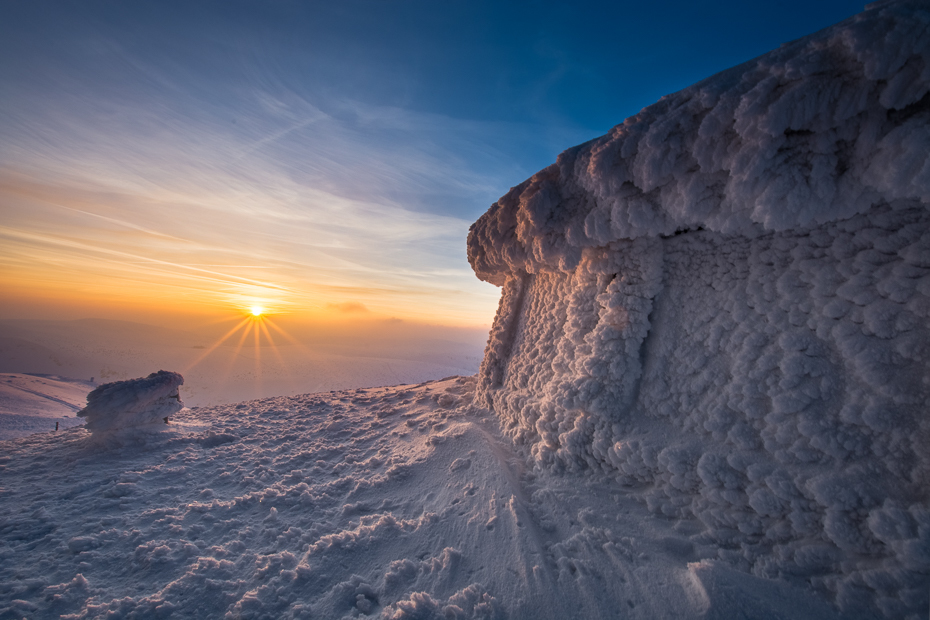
(274, 349)
(306, 351)
(235, 353)
(219, 342)
(258, 356)
(290, 338)
(257, 326)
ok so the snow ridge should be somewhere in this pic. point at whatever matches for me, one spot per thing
(724, 303)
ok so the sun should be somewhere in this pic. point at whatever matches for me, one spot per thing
(257, 310)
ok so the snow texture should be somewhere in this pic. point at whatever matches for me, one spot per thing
(704, 396)
(133, 403)
(400, 503)
(724, 303)
(820, 130)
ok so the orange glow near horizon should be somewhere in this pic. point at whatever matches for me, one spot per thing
(117, 247)
(254, 325)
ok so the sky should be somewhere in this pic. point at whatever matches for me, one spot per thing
(322, 160)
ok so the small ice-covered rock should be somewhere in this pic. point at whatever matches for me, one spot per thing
(134, 402)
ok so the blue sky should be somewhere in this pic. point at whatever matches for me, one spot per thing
(314, 156)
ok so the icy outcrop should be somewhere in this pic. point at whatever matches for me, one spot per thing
(725, 302)
(133, 403)
(817, 131)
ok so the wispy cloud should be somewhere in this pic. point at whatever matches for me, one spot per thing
(349, 307)
(236, 179)
(320, 206)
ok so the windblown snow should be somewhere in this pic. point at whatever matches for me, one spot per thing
(705, 395)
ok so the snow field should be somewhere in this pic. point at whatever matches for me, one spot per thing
(34, 403)
(402, 502)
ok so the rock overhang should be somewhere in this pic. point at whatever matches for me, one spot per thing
(818, 130)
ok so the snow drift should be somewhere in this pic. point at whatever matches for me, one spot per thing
(133, 403)
(724, 302)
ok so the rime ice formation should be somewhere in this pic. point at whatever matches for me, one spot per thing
(134, 402)
(821, 129)
(724, 302)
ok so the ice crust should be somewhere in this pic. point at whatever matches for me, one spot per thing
(133, 403)
(816, 131)
(724, 304)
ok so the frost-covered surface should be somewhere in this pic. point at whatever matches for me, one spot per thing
(724, 304)
(133, 403)
(728, 422)
(817, 131)
(403, 502)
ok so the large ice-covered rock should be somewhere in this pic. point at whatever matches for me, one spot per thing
(817, 131)
(133, 403)
(725, 302)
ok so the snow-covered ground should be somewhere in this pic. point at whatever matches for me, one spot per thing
(35, 403)
(705, 395)
(404, 502)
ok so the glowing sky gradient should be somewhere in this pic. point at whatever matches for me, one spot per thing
(320, 159)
